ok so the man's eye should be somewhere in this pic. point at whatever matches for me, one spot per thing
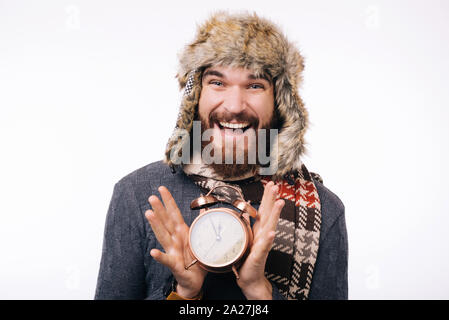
(217, 83)
(256, 86)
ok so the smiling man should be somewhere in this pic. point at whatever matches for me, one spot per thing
(241, 125)
(235, 105)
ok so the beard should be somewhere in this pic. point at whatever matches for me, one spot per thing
(245, 167)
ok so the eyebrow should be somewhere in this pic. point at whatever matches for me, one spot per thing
(216, 73)
(213, 73)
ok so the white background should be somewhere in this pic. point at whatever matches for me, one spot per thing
(88, 94)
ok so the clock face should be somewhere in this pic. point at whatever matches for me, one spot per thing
(217, 238)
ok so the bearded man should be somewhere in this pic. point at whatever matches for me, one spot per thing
(241, 124)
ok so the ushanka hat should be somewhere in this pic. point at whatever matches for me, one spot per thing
(246, 41)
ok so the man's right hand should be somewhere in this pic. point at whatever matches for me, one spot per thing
(173, 234)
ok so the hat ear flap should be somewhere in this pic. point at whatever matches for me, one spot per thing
(295, 122)
(191, 83)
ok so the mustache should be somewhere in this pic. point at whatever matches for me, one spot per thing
(244, 116)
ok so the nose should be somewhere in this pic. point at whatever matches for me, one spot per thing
(235, 100)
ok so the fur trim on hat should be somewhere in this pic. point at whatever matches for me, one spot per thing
(251, 42)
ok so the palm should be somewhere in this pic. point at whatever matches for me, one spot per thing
(172, 233)
(193, 276)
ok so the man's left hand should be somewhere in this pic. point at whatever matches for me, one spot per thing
(252, 280)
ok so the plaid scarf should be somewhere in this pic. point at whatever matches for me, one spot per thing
(291, 260)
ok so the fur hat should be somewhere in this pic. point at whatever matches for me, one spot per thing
(248, 41)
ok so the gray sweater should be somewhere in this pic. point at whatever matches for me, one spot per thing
(127, 271)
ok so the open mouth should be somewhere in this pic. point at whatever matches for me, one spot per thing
(237, 127)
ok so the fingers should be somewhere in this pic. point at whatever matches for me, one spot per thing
(159, 229)
(167, 224)
(168, 213)
(161, 257)
(161, 214)
(270, 208)
(268, 199)
(267, 232)
(170, 205)
(269, 212)
(273, 217)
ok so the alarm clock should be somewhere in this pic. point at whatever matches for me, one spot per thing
(220, 238)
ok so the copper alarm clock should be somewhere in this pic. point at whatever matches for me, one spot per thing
(220, 238)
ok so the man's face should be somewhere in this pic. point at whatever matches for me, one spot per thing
(233, 98)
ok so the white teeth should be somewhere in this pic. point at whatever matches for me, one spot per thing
(234, 125)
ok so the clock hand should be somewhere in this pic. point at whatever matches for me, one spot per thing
(219, 230)
(208, 250)
(217, 236)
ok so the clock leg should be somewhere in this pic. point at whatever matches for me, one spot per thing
(191, 264)
(235, 272)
